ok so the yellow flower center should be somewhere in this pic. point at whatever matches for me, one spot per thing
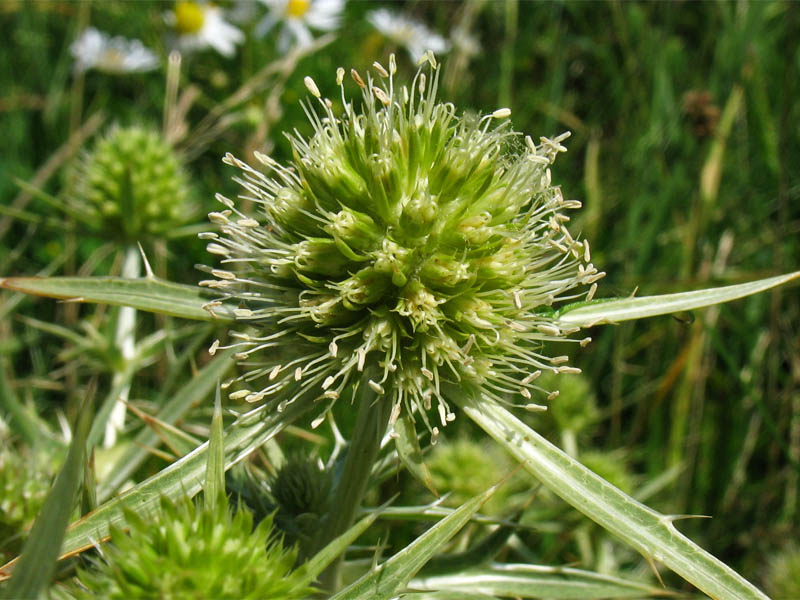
(297, 8)
(189, 17)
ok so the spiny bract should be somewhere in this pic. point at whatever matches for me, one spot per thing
(404, 242)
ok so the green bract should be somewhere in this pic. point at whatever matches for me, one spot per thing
(405, 241)
(185, 551)
(132, 185)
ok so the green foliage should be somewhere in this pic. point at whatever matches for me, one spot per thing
(782, 577)
(183, 551)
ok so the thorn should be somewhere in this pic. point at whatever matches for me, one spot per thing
(655, 570)
(148, 271)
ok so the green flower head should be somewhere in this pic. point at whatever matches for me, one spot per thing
(132, 185)
(183, 551)
(407, 247)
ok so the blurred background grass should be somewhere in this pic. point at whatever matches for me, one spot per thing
(685, 151)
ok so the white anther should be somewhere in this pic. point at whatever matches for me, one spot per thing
(525, 393)
(214, 346)
(311, 86)
(552, 396)
(427, 373)
(254, 397)
(535, 408)
(247, 223)
(585, 342)
(220, 218)
(517, 299)
(274, 373)
(331, 395)
(379, 68)
(376, 387)
(217, 249)
(501, 113)
(241, 355)
(242, 312)
(333, 349)
(223, 274)
(592, 290)
(328, 382)
(567, 369)
(549, 330)
(298, 374)
(339, 76)
(559, 360)
(381, 95)
(531, 377)
(238, 395)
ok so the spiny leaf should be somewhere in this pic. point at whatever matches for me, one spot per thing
(649, 532)
(627, 309)
(534, 581)
(148, 293)
(384, 581)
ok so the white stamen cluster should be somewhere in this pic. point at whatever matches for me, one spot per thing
(404, 242)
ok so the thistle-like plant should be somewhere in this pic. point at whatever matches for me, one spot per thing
(405, 241)
(186, 551)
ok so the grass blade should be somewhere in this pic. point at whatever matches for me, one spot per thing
(627, 309)
(649, 532)
(40, 553)
(149, 294)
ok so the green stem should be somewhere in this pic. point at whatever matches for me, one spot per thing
(349, 491)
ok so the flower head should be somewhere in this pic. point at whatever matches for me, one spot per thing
(183, 551)
(200, 25)
(297, 16)
(405, 243)
(116, 55)
(133, 184)
(416, 37)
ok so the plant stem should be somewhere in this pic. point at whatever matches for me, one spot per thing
(349, 490)
(125, 341)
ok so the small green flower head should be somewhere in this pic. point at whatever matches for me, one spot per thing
(184, 551)
(133, 185)
(405, 247)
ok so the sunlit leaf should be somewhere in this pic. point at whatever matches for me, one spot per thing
(627, 309)
(533, 581)
(649, 532)
(147, 293)
(384, 581)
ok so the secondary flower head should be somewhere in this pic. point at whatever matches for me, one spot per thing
(116, 55)
(200, 25)
(297, 17)
(405, 248)
(132, 185)
(416, 37)
(183, 551)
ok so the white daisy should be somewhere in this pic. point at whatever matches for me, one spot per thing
(404, 31)
(200, 25)
(298, 18)
(97, 50)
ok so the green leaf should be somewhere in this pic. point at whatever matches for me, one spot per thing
(533, 581)
(193, 392)
(384, 581)
(407, 444)
(214, 488)
(649, 532)
(325, 557)
(180, 479)
(147, 293)
(40, 553)
(616, 310)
